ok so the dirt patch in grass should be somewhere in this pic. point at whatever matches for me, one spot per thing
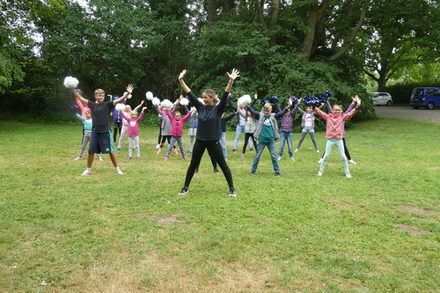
(340, 202)
(410, 229)
(383, 147)
(415, 210)
(165, 220)
(433, 168)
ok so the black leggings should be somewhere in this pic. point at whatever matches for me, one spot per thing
(160, 135)
(216, 152)
(347, 153)
(117, 125)
(168, 138)
(246, 140)
(213, 161)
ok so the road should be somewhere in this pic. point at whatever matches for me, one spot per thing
(408, 113)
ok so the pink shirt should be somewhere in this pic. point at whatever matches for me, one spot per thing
(177, 125)
(83, 108)
(133, 124)
(335, 123)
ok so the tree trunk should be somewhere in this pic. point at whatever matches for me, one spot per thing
(211, 10)
(312, 20)
(275, 11)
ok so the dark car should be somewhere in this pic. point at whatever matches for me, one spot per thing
(428, 97)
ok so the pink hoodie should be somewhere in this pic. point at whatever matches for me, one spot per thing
(177, 125)
(133, 124)
(335, 123)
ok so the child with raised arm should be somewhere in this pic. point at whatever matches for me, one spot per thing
(266, 133)
(334, 134)
(127, 112)
(287, 130)
(308, 127)
(100, 139)
(249, 129)
(165, 128)
(176, 132)
(133, 132)
(208, 131)
(350, 107)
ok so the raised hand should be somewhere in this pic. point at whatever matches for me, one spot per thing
(144, 108)
(182, 74)
(130, 88)
(142, 102)
(234, 74)
(256, 96)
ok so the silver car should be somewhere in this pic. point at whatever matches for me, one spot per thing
(381, 98)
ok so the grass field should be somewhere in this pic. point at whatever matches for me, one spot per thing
(378, 231)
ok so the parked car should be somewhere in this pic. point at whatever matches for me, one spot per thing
(381, 98)
(428, 97)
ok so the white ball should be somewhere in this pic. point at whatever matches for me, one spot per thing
(149, 95)
(184, 102)
(120, 107)
(155, 101)
(71, 82)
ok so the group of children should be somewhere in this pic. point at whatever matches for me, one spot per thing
(207, 129)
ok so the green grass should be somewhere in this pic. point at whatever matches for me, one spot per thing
(378, 231)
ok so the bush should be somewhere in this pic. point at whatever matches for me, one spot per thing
(401, 92)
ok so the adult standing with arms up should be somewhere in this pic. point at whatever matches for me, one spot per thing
(208, 130)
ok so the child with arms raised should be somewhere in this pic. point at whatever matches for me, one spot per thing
(133, 132)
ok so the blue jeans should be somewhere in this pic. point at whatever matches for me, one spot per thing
(273, 154)
(223, 143)
(331, 142)
(283, 137)
(238, 131)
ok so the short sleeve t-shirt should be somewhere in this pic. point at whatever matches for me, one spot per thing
(308, 120)
(266, 134)
(100, 116)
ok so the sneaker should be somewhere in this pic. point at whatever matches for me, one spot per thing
(183, 191)
(118, 148)
(196, 171)
(320, 161)
(292, 158)
(166, 159)
(158, 151)
(277, 174)
(279, 158)
(317, 151)
(130, 158)
(119, 172)
(185, 158)
(100, 158)
(86, 172)
(188, 153)
(320, 173)
(348, 175)
(234, 150)
(215, 170)
(77, 158)
(157, 146)
(296, 150)
(253, 172)
(232, 192)
(243, 156)
(251, 149)
(352, 162)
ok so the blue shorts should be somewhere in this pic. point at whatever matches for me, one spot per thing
(101, 143)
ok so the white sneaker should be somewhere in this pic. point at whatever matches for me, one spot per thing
(279, 158)
(100, 158)
(77, 158)
(320, 173)
(157, 146)
(86, 172)
(296, 150)
(317, 151)
(320, 161)
(348, 175)
(119, 172)
(352, 162)
(292, 158)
